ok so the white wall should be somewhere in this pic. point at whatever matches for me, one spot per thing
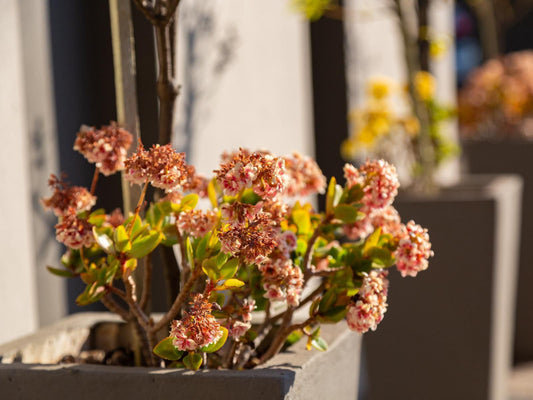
(261, 98)
(18, 306)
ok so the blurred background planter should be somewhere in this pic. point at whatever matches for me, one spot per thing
(448, 334)
(294, 374)
(513, 156)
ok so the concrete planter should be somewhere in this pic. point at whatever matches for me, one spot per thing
(295, 374)
(513, 156)
(448, 333)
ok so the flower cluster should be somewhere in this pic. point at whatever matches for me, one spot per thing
(262, 172)
(197, 328)
(65, 197)
(367, 311)
(414, 250)
(197, 222)
(497, 98)
(74, 232)
(107, 147)
(163, 167)
(305, 176)
(282, 280)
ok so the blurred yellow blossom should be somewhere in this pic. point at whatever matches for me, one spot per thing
(425, 85)
(379, 88)
(311, 9)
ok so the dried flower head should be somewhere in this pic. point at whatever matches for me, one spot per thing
(253, 241)
(367, 311)
(107, 147)
(197, 328)
(67, 197)
(74, 232)
(304, 176)
(163, 167)
(414, 250)
(238, 329)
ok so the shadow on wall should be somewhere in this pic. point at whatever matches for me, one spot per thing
(209, 51)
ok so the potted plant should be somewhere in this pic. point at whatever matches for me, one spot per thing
(251, 251)
(495, 115)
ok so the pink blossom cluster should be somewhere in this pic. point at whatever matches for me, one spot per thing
(282, 280)
(379, 181)
(197, 328)
(65, 197)
(305, 176)
(197, 222)
(162, 166)
(107, 147)
(74, 232)
(371, 304)
(262, 172)
(414, 250)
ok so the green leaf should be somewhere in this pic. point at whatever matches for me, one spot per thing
(189, 202)
(351, 195)
(382, 257)
(327, 301)
(137, 226)
(190, 252)
(131, 264)
(230, 284)
(211, 348)
(314, 306)
(229, 269)
(154, 216)
(166, 349)
(346, 213)
(65, 273)
(372, 240)
(122, 239)
(335, 314)
(212, 193)
(91, 294)
(193, 361)
(319, 344)
(103, 240)
(202, 246)
(221, 259)
(250, 197)
(97, 217)
(302, 219)
(209, 267)
(144, 244)
(293, 337)
(330, 195)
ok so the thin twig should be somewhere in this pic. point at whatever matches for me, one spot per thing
(95, 180)
(116, 308)
(147, 283)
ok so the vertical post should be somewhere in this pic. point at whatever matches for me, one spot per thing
(330, 105)
(125, 86)
(126, 96)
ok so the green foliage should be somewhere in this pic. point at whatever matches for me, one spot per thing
(193, 361)
(166, 349)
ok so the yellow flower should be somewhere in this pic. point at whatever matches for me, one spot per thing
(411, 125)
(425, 85)
(379, 88)
(348, 149)
(311, 9)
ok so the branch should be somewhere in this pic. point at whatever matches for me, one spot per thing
(116, 308)
(176, 306)
(148, 10)
(147, 282)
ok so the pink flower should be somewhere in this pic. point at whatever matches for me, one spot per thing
(305, 176)
(379, 181)
(388, 220)
(197, 222)
(197, 328)
(67, 197)
(238, 329)
(106, 147)
(287, 242)
(262, 172)
(74, 232)
(246, 309)
(371, 304)
(282, 280)
(358, 229)
(414, 250)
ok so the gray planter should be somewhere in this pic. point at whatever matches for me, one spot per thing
(513, 156)
(295, 374)
(448, 333)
